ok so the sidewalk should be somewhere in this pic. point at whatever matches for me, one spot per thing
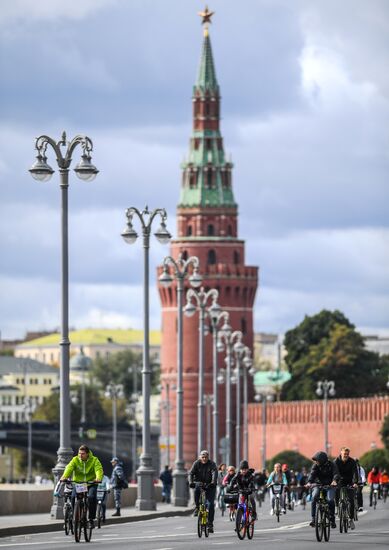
(41, 523)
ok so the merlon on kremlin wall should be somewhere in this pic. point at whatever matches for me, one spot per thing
(299, 426)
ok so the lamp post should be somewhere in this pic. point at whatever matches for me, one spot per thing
(226, 341)
(131, 410)
(264, 399)
(41, 171)
(180, 271)
(145, 498)
(208, 399)
(216, 318)
(114, 392)
(201, 298)
(247, 370)
(325, 389)
(28, 407)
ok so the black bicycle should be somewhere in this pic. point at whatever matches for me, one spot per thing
(344, 509)
(322, 516)
(68, 508)
(81, 510)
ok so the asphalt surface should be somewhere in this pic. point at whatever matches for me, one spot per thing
(177, 533)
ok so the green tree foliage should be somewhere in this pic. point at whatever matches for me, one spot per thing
(115, 369)
(95, 410)
(376, 457)
(384, 433)
(327, 346)
(293, 459)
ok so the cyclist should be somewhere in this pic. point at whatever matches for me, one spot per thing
(277, 477)
(324, 472)
(361, 483)
(230, 474)
(373, 477)
(302, 478)
(204, 471)
(288, 475)
(348, 474)
(260, 479)
(293, 485)
(384, 481)
(82, 468)
(221, 473)
(104, 487)
(244, 479)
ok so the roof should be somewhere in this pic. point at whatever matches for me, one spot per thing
(95, 337)
(206, 78)
(17, 365)
(271, 378)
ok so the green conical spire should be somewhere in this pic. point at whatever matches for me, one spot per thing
(206, 78)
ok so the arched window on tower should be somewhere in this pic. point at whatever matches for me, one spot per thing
(211, 230)
(236, 257)
(229, 230)
(192, 179)
(184, 255)
(211, 257)
(189, 231)
(209, 179)
(207, 109)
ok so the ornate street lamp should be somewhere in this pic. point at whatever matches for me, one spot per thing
(41, 171)
(264, 399)
(114, 392)
(181, 269)
(201, 299)
(226, 341)
(146, 499)
(325, 389)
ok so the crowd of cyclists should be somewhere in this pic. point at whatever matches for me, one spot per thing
(226, 485)
(290, 487)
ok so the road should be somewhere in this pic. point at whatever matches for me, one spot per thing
(293, 533)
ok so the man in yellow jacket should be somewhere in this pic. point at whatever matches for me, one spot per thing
(82, 468)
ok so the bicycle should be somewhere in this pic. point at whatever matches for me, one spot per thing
(101, 496)
(260, 495)
(80, 514)
(202, 518)
(344, 510)
(231, 500)
(293, 498)
(277, 489)
(220, 500)
(68, 509)
(322, 516)
(244, 516)
(384, 492)
(303, 497)
(376, 488)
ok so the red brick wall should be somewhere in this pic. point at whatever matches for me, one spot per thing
(299, 426)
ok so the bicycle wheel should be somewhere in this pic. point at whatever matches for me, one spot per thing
(240, 524)
(319, 526)
(277, 509)
(66, 519)
(86, 528)
(199, 525)
(78, 509)
(99, 515)
(340, 516)
(375, 500)
(346, 517)
(292, 505)
(326, 525)
(250, 525)
(206, 526)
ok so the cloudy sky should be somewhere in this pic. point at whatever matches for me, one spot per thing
(305, 88)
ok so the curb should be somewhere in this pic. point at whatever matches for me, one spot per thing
(58, 526)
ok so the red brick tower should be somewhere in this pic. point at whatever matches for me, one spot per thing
(207, 219)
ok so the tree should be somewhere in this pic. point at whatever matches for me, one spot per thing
(293, 459)
(49, 410)
(115, 369)
(327, 346)
(384, 433)
(376, 457)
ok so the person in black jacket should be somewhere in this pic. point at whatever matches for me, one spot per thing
(348, 473)
(204, 471)
(324, 472)
(244, 479)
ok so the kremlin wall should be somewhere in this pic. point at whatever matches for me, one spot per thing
(298, 426)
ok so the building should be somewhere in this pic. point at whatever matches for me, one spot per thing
(207, 227)
(94, 342)
(379, 344)
(24, 381)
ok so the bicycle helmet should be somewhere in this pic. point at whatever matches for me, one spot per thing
(321, 457)
(244, 465)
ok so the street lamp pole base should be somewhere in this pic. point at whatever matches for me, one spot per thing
(180, 486)
(146, 497)
(64, 457)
